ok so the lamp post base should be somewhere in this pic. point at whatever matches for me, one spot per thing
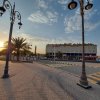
(84, 86)
(5, 76)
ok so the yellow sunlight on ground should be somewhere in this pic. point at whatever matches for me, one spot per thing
(1, 45)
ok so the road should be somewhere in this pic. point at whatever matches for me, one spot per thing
(34, 81)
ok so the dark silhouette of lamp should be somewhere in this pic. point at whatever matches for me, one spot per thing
(13, 14)
(2, 10)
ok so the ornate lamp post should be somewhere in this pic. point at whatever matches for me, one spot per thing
(72, 5)
(13, 14)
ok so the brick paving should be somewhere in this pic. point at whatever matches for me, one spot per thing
(25, 83)
(33, 81)
(92, 69)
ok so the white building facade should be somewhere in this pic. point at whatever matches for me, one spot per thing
(71, 51)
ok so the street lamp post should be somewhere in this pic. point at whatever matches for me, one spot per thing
(13, 14)
(73, 4)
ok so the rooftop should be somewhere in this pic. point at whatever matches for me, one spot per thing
(70, 44)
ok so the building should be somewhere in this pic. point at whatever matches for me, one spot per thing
(71, 51)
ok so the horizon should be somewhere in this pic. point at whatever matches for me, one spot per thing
(1, 48)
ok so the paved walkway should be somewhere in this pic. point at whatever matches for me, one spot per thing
(33, 81)
(92, 69)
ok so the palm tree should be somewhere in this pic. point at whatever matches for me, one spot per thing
(20, 45)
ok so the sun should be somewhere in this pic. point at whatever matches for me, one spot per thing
(1, 45)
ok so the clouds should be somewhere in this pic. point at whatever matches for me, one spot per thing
(42, 4)
(73, 23)
(63, 1)
(43, 41)
(43, 15)
(44, 18)
(38, 17)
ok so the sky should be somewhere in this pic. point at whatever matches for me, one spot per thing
(50, 21)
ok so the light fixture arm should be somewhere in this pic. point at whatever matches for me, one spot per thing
(7, 4)
(19, 18)
(18, 15)
(12, 14)
(4, 2)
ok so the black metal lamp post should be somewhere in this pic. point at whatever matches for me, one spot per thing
(72, 5)
(13, 14)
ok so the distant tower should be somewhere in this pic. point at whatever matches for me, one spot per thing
(35, 50)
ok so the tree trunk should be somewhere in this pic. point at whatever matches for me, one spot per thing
(18, 54)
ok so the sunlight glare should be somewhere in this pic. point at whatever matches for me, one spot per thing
(1, 45)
